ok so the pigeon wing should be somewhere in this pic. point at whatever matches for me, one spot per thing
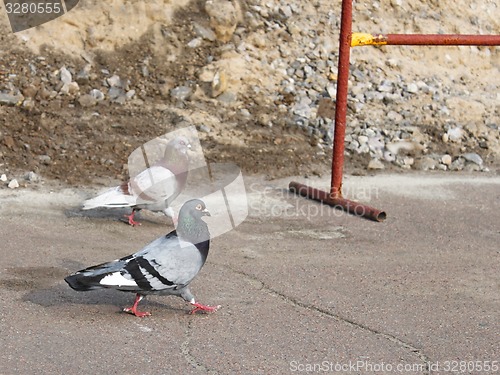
(153, 185)
(168, 263)
(115, 197)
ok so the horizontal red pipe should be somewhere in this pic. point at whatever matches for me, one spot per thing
(438, 39)
(352, 207)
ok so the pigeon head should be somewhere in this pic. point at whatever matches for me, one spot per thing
(194, 208)
(190, 226)
(175, 157)
(179, 145)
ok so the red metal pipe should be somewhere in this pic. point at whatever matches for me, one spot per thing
(341, 98)
(352, 207)
(439, 40)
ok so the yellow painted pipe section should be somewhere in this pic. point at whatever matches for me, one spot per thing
(365, 39)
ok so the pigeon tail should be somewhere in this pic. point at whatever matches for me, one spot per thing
(79, 282)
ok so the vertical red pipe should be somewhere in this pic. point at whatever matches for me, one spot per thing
(341, 100)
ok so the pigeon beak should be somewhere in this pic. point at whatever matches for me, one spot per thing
(205, 212)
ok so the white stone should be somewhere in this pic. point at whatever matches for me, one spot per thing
(473, 158)
(362, 139)
(446, 159)
(13, 184)
(455, 134)
(375, 164)
(412, 88)
(66, 77)
(195, 43)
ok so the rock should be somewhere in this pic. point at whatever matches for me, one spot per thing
(3, 177)
(474, 158)
(446, 159)
(386, 86)
(115, 81)
(203, 128)
(116, 93)
(29, 104)
(412, 88)
(13, 184)
(455, 134)
(457, 165)
(45, 159)
(362, 139)
(375, 164)
(8, 99)
(331, 90)
(394, 116)
(181, 93)
(65, 75)
(370, 132)
(472, 167)
(97, 94)
(224, 17)
(130, 94)
(302, 107)
(426, 163)
(219, 83)
(204, 32)
(286, 11)
(32, 177)
(227, 97)
(69, 88)
(87, 100)
(195, 43)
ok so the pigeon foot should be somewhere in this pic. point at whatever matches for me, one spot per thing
(140, 314)
(131, 220)
(133, 310)
(200, 307)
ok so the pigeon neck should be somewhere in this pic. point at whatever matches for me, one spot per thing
(176, 161)
(193, 230)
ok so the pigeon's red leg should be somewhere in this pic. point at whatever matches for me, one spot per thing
(131, 220)
(133, 310)
(200, 307)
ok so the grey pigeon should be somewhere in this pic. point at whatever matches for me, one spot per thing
(166, 266)
(155, 188)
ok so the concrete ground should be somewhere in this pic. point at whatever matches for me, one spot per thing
(304, 288)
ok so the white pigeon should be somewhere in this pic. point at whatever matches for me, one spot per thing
(155, 188)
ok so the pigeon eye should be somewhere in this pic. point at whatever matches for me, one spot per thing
(199, 207)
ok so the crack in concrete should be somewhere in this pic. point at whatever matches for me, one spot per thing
(419, 353)
(186, 352)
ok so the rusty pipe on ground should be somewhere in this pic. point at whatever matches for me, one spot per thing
(352, 207)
